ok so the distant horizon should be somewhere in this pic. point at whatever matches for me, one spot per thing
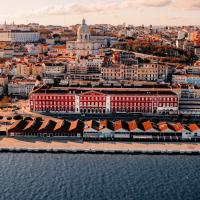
(133, 12)
(67, 25)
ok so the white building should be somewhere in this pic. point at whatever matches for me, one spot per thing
(85, 69)
(84, 45)
(137, 72)
(52, 69)
(20, 87)
(179, 79)
(16, 36)
(33, 49)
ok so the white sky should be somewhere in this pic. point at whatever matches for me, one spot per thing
(136, 12)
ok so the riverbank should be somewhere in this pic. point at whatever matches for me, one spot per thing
(63, 146)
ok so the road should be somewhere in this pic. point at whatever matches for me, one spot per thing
(123, 116)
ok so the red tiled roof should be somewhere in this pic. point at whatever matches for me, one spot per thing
(177, 127)
(88, 124)
(132, 125)
(117, 125)
(47, 125)
(91, 124)
(147, 125)
(73, 125)
(62, 126)
(193, 127)
(59, 125)
(29, 125)
(163, 126)
(105, 124)
(18, 126)
(59, 47)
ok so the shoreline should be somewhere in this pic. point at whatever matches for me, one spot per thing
(29, 145)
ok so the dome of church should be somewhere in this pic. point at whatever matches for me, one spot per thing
(83, 28)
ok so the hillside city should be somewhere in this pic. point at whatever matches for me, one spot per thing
(106, 72)
(100, 100)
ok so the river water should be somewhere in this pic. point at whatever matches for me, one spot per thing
(26, 176)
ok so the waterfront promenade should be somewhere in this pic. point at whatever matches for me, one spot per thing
(28, 144)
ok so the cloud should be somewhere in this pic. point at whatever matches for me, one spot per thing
(189, 5)
(156, 3)
(170, 19)
(111, 7)
(80, 8)
(99, 6)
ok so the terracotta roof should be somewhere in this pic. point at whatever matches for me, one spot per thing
(193, 127)
(47, 125)
(32, 126)
(132, 125)
(177, 127)
(73, 125)
(59, 47)
(59, 125)
(76, 126)
(147, 125)
(18, 126)
(163, 126)
(91, 124)
(117, 125)
(105, 124)
(88, 123)
(62, 126)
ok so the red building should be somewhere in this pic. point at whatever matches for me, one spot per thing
(79, 100)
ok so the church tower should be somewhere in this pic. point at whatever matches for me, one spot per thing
(83, 34)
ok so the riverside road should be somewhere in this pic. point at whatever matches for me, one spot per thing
(124, 116)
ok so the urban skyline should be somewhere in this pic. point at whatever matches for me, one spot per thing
(134, 12)
(112, 78)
